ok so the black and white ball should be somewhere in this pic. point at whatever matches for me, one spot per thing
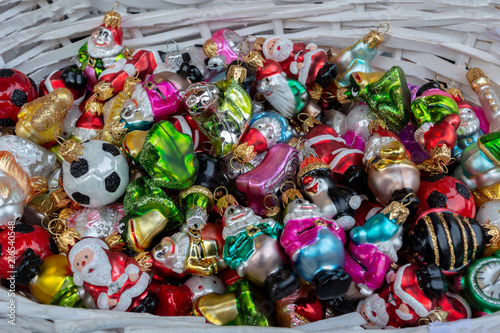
(99, 177)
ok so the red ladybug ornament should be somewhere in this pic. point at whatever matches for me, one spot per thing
(16, 89)
(441, 191)
(22, 247)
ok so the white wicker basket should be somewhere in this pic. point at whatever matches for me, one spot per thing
(425, 38)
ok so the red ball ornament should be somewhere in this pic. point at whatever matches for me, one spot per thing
(441, 191)
(23, 242)
(16, 89)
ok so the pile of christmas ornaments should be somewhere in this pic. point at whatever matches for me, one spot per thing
(252, 181)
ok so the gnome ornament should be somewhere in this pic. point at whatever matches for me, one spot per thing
(316, 248)
(252, 248)
(289, 97)
(113, 279)
(469, 131)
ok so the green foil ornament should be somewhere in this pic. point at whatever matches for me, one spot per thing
(168, 157)
(387, 94)
(150, 211)
(432, 109)
(222, 117)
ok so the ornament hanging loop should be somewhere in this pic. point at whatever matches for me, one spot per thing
(412, 195)
(117, 4)
(382, 25)
(232, 166)
(220, 188)
(276, 201)
(287, 182)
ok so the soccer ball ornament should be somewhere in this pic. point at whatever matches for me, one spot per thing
(99, 177)
(16, 89)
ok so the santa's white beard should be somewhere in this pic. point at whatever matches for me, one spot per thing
(101, 276)
(141, 97)
(469, 129)
(376, 304)
(388, 249)
(181, 241)
(98, 52)
(236, 227)
(302, 214)
(285, 48)
(281, 96)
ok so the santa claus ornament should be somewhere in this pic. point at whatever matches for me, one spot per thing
(114, 280)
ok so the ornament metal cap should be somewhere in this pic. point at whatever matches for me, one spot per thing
(112, 19)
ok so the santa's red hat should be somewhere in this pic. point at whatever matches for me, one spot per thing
(269, 69)
(310, 164)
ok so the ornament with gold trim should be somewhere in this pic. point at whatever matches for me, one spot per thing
(266, 129)
(443, 237)
(479, 168)
(488, 98)
(42, 119)
(98, 177)
(252, 248)
(356, 58)
(386, 94)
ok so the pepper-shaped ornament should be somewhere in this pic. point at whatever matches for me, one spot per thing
(373, 247)
(167, 156)
(356, 58)
(387, 94)
(252, 248)
(149, 212)
(114, 280)
(223, 116)
(315, 245)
